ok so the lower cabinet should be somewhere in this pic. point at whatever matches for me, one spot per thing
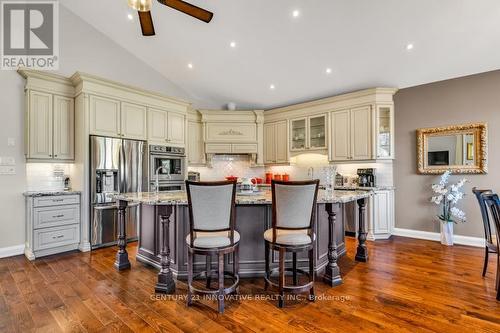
(52, 224)
(381, 211)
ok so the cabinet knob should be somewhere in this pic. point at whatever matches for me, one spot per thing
(55, 155)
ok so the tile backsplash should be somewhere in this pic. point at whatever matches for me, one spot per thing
(46, 176)
(229, 165)
(239, 165)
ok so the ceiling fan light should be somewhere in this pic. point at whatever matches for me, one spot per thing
(140, 5)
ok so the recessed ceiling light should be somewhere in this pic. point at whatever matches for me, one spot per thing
(190, 66)
(328, 71)
(130, 17)
(295, 13)
(232, 44)
(409, 47)
(272, 87)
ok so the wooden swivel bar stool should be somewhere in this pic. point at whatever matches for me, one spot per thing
(212, 221)
(292, 231)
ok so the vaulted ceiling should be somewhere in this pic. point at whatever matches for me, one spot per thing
(363, 43)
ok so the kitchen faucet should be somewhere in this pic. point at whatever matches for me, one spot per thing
(157, 184)
(310, 172)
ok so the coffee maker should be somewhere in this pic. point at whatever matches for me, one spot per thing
(366, 177)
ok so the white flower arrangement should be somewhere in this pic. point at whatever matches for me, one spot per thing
(448, 197)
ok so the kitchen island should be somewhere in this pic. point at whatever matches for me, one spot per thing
(165, 224)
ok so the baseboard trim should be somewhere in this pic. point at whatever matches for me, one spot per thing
(435, 236)
(11, 251)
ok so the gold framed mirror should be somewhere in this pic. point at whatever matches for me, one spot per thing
(463, 149)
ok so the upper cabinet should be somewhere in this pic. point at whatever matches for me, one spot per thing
(104, 116)
(351, 134)
(308, 133)
(195, 145)
(357, 126)
(110, 117)
(50, 127)
(133, 121)
(166, 128)
(275, 143)
(384, 131)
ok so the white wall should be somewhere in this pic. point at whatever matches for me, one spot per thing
(82, 49)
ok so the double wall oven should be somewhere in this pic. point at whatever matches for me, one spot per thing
(170, 163)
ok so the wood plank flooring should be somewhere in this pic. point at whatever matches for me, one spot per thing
(407, 286)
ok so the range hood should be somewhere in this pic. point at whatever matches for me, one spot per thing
(234, 132)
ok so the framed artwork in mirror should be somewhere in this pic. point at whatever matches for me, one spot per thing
(463, 149)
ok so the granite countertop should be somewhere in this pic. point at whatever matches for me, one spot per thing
(259, 198)
(48, 193)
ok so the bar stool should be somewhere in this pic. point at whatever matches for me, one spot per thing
(493, 205)
(211, 222)
(294, 205)
(490, 245)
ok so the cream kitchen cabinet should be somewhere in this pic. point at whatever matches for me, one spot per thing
(195, 145)
(351, 137)
(110, 117)
(384, 131)
(276, 143)
(50, 127)
(52, 223)
(308, 133)
(381, 215)
(166, 128)
(133, 121)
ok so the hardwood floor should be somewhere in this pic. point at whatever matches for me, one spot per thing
(407, 286)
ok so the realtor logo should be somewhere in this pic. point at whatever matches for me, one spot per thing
(30, 34)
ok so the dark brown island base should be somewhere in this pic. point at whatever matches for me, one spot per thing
(165, 224)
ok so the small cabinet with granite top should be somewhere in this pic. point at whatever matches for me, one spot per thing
(52, 223)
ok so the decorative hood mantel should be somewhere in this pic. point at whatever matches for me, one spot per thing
(234, 132)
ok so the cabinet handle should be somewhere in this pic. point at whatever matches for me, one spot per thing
(57, 216)
(50, 155)
(57, 200)
(58, 236)
(55, 155)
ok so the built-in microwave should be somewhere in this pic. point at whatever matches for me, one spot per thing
(171, 159)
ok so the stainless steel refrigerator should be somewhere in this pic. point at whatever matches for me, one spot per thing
(116, 166)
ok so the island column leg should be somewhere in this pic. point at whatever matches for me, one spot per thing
(122, 261)
(332, 271)
(362, 250)
(165, 284)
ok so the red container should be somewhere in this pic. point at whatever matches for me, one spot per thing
(277, 177)
(269, 177)
(285, 177)
(256, 180)
(232, 178)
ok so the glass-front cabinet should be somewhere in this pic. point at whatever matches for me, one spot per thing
(384, 131)
(308, 133)
(298, 134)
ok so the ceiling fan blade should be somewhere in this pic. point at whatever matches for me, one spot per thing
(146, 23)
(187, 8)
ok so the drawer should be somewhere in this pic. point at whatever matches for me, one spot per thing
(244, 148)
(218, 148)
(53, 216)
(56, 200)
(48, 238)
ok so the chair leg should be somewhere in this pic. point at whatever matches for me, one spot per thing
(209, 270)
(311, 273)
(236, 266)
(281, 297)
(221, 283)
(266, 284)
(190, 278)
(294, 268)
(486, 257)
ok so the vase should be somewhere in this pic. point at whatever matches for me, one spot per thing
(447, 233)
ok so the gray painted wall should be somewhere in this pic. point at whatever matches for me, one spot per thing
(82, 49)
(473, 98)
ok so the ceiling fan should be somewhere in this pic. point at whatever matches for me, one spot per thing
(143, 7)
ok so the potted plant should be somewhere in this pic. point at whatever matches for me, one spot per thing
(447, 196)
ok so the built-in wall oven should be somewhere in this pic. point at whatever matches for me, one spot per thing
(170, 164)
